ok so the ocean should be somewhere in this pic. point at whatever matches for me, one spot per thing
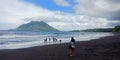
(26, 39)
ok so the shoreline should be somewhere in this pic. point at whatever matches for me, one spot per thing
(105, 48)
(42, 42)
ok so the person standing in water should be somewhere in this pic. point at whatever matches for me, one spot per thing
(72, 47)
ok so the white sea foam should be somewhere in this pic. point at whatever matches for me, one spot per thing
(20, 36)
(16, 41)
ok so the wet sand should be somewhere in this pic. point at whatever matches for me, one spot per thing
(106, 48)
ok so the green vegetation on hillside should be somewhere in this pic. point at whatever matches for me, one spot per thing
(36, 26)
(95, 30)
(117, 29)
(99, 30)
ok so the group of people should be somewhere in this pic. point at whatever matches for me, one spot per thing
(54, 40)
(71, 45)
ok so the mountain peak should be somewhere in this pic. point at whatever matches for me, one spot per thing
(37, 22)
(36, 26)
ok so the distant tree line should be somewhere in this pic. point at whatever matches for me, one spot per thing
(116, 29)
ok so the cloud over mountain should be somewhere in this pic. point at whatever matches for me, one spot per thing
(89, 14)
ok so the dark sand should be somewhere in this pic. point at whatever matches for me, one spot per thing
(107, 48)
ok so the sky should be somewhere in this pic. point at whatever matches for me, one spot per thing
(63, 15)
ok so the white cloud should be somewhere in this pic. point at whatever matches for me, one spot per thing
(13, 12)
(64, 21)
(98, 8)
(16, 12)
(63, 3)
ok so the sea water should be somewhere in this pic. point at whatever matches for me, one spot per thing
(26, 39)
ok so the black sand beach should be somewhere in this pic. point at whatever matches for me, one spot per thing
(107, 48)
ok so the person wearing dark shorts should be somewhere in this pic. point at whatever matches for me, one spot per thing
(72, 47)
